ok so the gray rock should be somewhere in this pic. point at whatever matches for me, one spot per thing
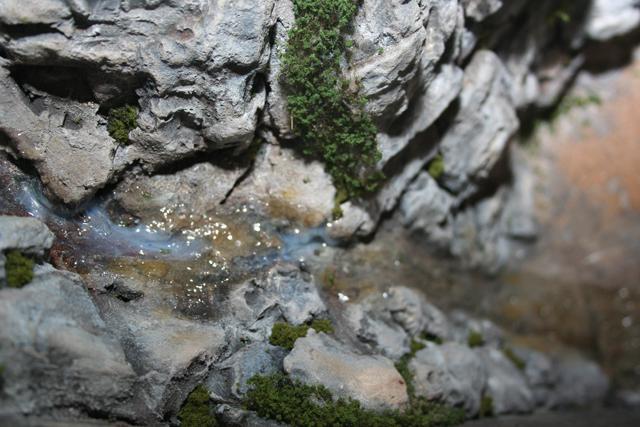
(66, 141)
(464, 324)
(451, 373)
(410, 309)
(580, 383)
(230, 377)
(479, 10)
(26, 234)
(506, 385)
(540, 374)
(197, 70)
(53, 337)
(612, 18)
(426, 207)
(372, 380)
(482, 127)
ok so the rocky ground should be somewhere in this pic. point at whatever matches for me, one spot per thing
(134, 271)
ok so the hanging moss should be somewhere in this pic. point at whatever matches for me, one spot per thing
(277, 397)
(18, 269)
(285, 335)
(196, 411)
(121, 121)
(326, 110)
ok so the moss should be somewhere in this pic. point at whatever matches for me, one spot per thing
(517, 361)
(486, 407)
(196, 411)
(285, 335)
(475, 339)
(402, 366)
(436, 167)
(121, 121)
(18, 269)
(279, 398)
(432, 338)
(327, 112)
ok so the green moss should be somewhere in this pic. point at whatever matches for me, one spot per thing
(18, 269)
(279, 398)
(121, 121)
(475, 339)
(196, 411)
(402, 366)
(285, 335)
(436, 167)
(432, 338)
(517, 361)
(486, 407)
(326, 110)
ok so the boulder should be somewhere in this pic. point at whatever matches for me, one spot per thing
(319, 359)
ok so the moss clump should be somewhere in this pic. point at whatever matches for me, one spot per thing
(326, 110)
(515, 359)
(121, 121)
(279, 398)
(402, 366)
(196, 411)
(475, 339)
(436, 167)
(432, 338)
(486, 407)
(18, 269)
(285, 335)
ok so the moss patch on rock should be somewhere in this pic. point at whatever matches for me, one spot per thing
(514, 358)
(475, 339)
(326, 109)
(285, 335)
(279, 398)
(18, 269)
(436, 167)
(402, 366)
(196, 411)
(121, 121)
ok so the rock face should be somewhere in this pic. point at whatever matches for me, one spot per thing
(372, 380)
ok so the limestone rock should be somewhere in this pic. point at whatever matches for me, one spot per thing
(612, 18)
(26, 234)
(372, 380)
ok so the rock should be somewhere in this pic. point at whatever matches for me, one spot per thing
(481, 128)
(66, 140)
(230, 377)
(411, 310)
(451, 373)
(580, 383)
(479, 10)
(372, 380)
(197, 72)
(375, 327)
(53, 336)
(28, 235)
(506, 385)
(425, 207)
(464, 324)
(233, 416)
(539, 373)
(612, 18)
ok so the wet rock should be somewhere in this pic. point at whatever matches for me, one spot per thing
(26, 234)
(450, 373)
(372, 380)
(612, 18)
(53, 337)
(66, 140)
(482, 127)
(505, 384)
(121, 291)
